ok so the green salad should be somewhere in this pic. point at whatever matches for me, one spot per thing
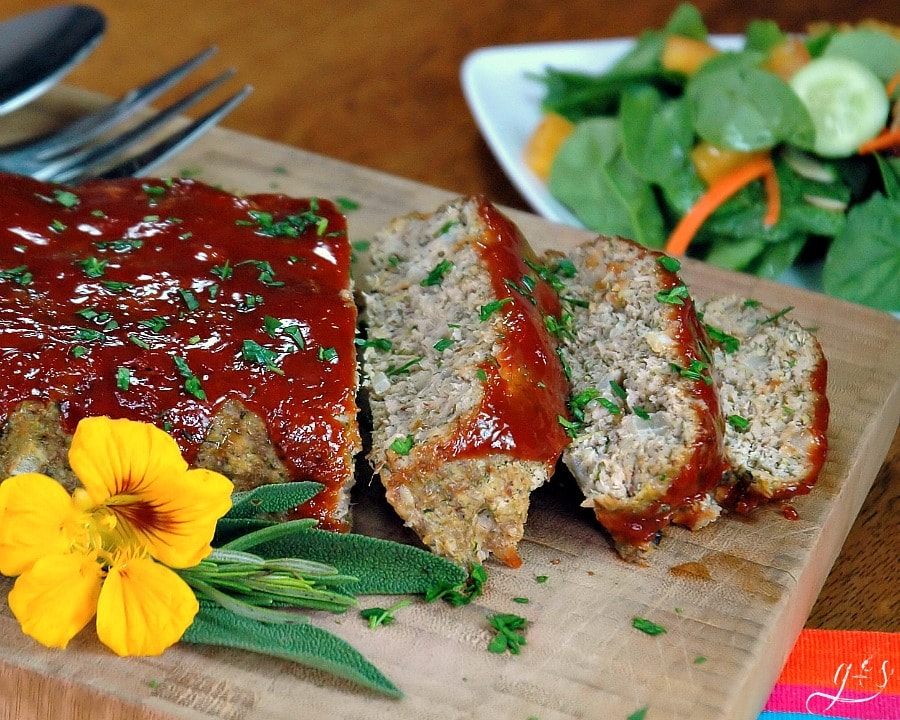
(785, 152)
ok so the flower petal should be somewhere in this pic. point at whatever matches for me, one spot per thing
(56, 597)
(144, 608)
(137, 471)
(113, 457)
(37, 518)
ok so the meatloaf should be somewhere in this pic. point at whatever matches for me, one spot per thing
(228, 321)
(463, 378)
(647, 431)
(772, 376)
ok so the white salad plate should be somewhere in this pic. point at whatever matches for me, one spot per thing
(505, 101)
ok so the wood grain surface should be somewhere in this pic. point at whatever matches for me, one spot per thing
(732, 597)
(377, 84)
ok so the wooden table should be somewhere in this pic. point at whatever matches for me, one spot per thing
(377, 84)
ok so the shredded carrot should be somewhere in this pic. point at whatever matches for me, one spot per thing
(716, 194)
(773, 197)
(887, 139)
(892, 84)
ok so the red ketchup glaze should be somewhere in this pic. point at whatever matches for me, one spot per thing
(526, 389)
(131, 298)
(702, 472)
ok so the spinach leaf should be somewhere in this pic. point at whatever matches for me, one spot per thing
(736, 105)
(686, 20)
(890, 175)
(734, 253)
(763, 35)
(863, 263)
(776, 258)
(656, 135)
(591, 176)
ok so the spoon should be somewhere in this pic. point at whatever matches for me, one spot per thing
(37, 49)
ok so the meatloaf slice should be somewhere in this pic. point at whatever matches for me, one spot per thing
(646, 445)
(772, 375)
(463, 379)
(229, 321)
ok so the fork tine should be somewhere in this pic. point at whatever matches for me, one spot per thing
(148, 159)
(95, 124)
(76, 163)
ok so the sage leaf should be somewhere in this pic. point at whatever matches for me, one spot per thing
(305, 644)
(276, 498)
(383, 567)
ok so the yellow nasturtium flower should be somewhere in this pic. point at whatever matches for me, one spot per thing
(108, 549)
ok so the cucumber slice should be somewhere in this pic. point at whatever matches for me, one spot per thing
(847, 102)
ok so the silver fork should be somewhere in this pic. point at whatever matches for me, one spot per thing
(79, 151)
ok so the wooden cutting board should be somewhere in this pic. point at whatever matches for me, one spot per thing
(732, 597)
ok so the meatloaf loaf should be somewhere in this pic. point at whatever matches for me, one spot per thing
(229, 321)
(772, 376)
(464, 382)
(646, 446)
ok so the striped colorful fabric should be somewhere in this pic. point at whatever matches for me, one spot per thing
(841, 675)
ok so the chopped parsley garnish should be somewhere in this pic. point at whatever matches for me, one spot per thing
(443, 344)
(696, 371)
(738, 422)
(249, 303)
(647, 626)
(508, 637)
(266, 273)
(57, 226)
(79, 351)
(448, 226)
(66, 198)
(541, 578)
(137, 340)
(561, 327)
(290, 226)
(190, 300)
(89, 335)
(116, 286)
(191, 381)
(91, 314)
(641, 413)
(485, 311)
(223, 272)
(618, 390)
(92, 267)
(402, 446)
(327, 354)
(728, 342)
(346, 204)
(402, 369)
(378, 343)
(673, 296)
(156, 323)
(638, 714)
(752, 303)
(481, 374)
(123, 378)
(154, 191)
(120, 246)
(19, 275)
(255, 353)
(463, 594)
(610, 406)
(781, 313)
(382, 616)
(525, 288)
(437, 273)
(669, 263)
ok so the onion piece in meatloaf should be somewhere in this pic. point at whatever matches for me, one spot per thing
(464, 382)
(229, 321)
(647, 434)
(772, 375)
